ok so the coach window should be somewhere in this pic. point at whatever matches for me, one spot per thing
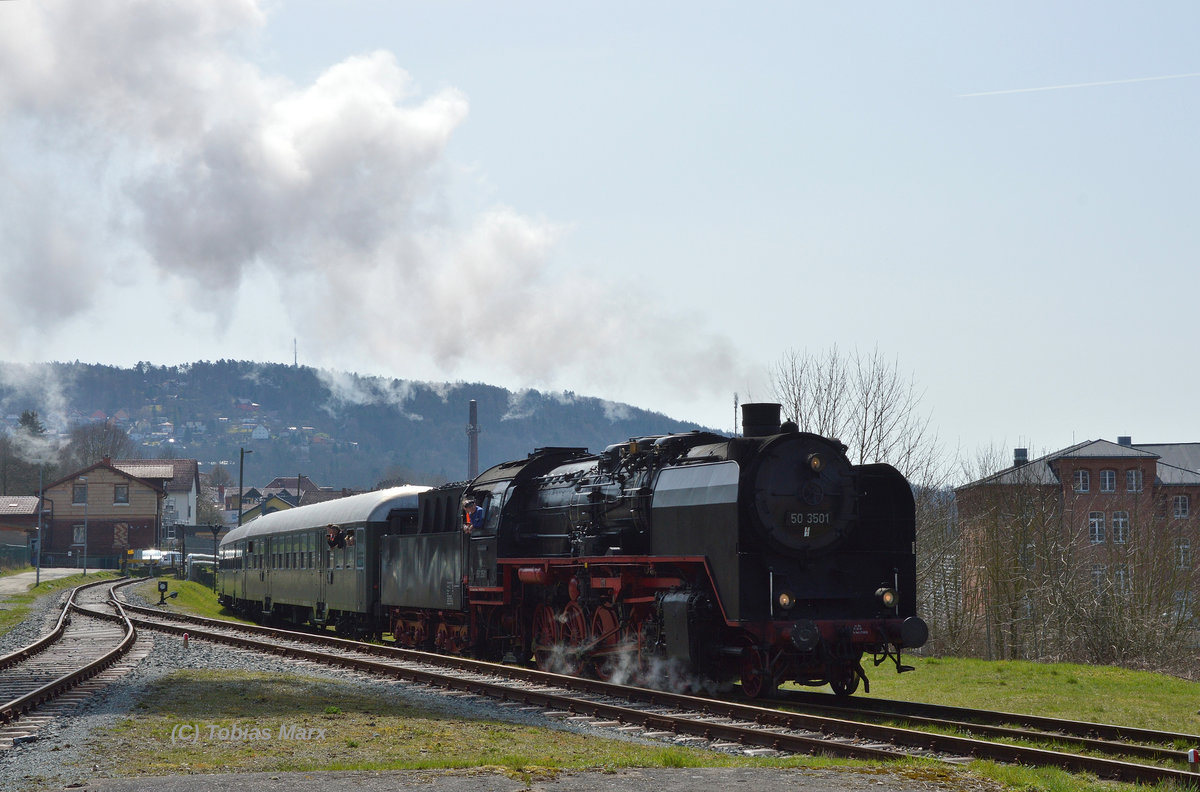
(360, 546)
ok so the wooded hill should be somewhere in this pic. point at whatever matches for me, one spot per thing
(337, 428)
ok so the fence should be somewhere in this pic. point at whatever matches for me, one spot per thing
(13, 556)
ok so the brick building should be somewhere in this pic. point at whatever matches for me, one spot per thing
(1113, 525)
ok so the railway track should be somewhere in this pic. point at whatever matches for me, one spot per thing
(63, 667)
(720, 724)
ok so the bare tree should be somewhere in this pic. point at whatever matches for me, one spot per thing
(208, 512)
(220, 476)
(89, 443)
(864, 401)
(1016, 556)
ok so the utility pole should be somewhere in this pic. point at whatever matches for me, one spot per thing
(241, 480)
(41, 509)
(83, 480)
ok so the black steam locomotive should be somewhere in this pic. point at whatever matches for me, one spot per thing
(692, 557)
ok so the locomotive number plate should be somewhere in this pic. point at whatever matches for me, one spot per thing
(808, 520)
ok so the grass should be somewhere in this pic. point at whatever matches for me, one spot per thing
(1102, 694)
(195, 599)
(16, 606)
(180, 724)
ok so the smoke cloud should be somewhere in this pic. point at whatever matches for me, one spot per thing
(150, 157)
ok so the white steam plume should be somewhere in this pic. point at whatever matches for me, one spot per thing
(148, 154)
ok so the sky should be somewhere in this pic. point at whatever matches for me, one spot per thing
(647, 203)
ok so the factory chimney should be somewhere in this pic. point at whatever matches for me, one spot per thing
(473, 441)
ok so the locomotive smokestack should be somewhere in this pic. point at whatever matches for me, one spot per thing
(473, 441)
(760, 419)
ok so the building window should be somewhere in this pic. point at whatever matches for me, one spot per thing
(1096, 527)
(1183, 553)
(1098, 578)
(1181, 506)
(79, 533)
(1133, 480)
(1108, 481)
(1083, 481)
(1121, 578)
(1183, 606)
(170, 530)
(79, 495)
(1120, 527)
(120, 494)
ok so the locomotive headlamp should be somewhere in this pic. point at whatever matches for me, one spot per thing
(815, 463)
(887, 597)
(786, 600)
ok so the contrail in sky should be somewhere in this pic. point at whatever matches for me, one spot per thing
(1080, 85)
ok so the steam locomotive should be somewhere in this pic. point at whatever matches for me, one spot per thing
(693, 559)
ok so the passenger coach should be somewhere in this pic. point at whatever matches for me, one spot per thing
(282, 565)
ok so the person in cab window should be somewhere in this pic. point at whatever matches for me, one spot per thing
(472, 515)
(334, 536)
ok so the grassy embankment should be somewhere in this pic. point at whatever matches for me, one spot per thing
(194, 599)
(364, 732)
(1101, 694)
(15, 607)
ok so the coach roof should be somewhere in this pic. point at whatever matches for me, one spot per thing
(368, 507)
